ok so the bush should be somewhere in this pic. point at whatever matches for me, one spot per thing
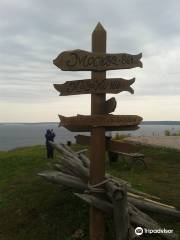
(121, 136)
(170, 133)
(167, 132)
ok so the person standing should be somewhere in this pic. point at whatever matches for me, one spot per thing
(50, 135)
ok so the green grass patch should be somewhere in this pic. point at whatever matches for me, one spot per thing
(31, 208)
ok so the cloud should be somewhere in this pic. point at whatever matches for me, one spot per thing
(35, 32)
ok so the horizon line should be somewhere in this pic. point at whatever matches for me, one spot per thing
(58, 122)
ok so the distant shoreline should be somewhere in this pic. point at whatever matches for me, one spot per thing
(143, 123)
(160, 123)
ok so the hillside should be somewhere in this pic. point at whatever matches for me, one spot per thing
(31, 208)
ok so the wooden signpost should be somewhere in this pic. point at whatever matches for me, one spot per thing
(98, 61)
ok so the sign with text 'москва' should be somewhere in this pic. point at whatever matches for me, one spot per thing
(113, 85)
(79, 60)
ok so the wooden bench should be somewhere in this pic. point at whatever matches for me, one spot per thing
(134, 157)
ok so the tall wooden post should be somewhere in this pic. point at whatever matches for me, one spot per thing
(97, 166)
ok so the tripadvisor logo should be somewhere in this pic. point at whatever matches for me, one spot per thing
(139, 231)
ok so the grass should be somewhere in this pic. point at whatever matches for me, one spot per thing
(32, 209)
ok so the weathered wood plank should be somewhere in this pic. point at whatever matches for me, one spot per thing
(79, 60)
(101, 120)
(110, 105)
(87, 86)
(111, 145)
(108, 128)
(155, 208)
(118, 196)
(109, 121)
(59, 178)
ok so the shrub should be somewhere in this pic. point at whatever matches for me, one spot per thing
(121, 136)
(170, 133)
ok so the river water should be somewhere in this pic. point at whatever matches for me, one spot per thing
(20, 135)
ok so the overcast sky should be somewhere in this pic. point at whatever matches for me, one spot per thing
(34, 32)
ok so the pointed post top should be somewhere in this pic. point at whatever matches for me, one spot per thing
(99, 28)
(99, 39)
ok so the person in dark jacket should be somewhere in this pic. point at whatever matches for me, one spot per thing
(50, 135)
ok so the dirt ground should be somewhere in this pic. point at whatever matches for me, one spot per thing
(161, 141)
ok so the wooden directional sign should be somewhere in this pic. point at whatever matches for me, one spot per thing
(79, 60)
(109, 121)
(113, 85)
(111, 145)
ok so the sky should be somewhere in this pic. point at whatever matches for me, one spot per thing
(34, 32)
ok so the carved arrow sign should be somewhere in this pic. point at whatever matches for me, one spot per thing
(113, 85)
(109, 121)
(79, 60)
